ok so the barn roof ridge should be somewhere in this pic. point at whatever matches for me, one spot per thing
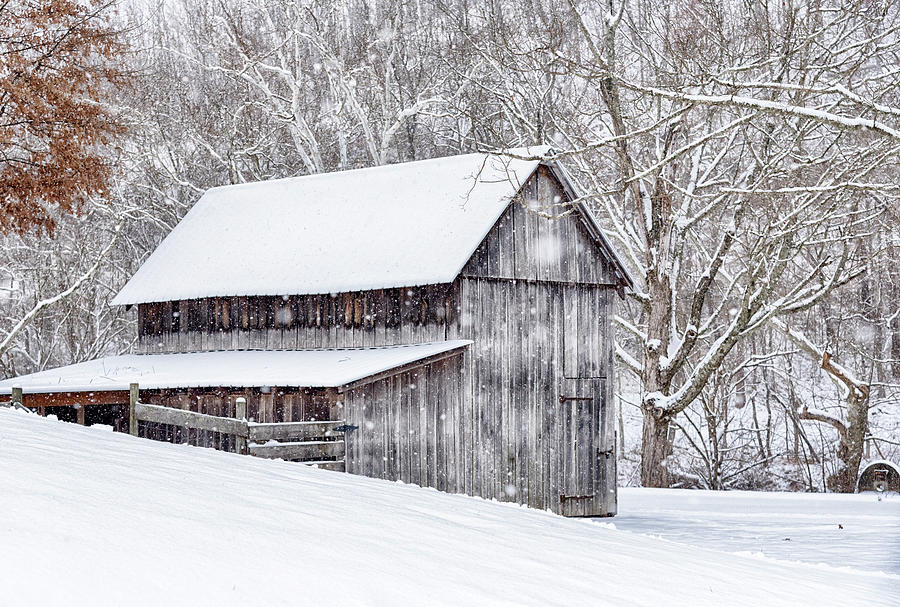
(400, 225)
(525, 153)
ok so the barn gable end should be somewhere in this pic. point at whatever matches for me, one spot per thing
(541, 236)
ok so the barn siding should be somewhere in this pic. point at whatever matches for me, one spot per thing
(514, 374)
(511, 439)
(406, 426)
(490, 422)
(345, 320)
(269, 405)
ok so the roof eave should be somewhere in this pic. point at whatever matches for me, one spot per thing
(416, 364)
(454, 348)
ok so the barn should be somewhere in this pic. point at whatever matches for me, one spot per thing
(451, 318)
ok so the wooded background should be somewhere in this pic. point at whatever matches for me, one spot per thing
(743, 157)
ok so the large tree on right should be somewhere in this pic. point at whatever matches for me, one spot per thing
(754, 147)
(739, 152)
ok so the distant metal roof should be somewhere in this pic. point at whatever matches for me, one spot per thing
(879, 462)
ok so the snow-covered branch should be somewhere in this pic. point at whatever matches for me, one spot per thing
(822, 116)
(62, 295)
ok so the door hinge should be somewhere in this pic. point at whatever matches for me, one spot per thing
(606, 452)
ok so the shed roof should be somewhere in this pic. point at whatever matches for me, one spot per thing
(398, 225)
(242, 368)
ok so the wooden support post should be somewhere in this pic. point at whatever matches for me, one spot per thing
(133, 393)
(240, 412)
(16, 397)
(79, 413)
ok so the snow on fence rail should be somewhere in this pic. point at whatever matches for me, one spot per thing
(319, 443)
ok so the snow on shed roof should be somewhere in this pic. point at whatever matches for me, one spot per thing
(242, 368)
(878, 462)
(398, 225)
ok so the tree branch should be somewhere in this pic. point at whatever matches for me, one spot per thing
(25, 320)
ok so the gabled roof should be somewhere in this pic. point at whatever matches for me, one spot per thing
(398, 225)
(237, 368)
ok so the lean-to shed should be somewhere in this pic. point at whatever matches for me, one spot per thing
(455, 311)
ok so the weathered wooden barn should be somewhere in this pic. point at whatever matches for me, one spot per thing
(454, 314)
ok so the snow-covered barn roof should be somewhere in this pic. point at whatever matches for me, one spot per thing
(399, 225)
(246, 368)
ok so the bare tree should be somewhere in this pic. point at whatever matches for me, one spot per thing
(739, 154)
(743, 157)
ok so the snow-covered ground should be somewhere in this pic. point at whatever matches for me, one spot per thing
(834, 530)
(90, 517)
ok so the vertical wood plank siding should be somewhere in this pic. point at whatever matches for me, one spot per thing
(523, 415)
(263, 405)
(297, 322)
(539, 240)
(512, 439)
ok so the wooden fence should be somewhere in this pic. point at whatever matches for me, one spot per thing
(15, 401)
(319, 443)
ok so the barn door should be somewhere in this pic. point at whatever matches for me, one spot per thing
(582, 452)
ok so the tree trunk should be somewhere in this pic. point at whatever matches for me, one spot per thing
(895, 343)
(850, 450)
(655, 448)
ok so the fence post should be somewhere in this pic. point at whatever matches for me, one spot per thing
(240, 412)
(16, 397)
(132, 401)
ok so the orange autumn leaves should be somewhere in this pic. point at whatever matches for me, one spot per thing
(58, 68)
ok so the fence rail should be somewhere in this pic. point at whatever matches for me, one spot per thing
(188, 419)
(319, 443)
(306, 450)
(290, 430)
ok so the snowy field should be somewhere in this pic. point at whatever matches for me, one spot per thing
(96, 518)
(834, 530)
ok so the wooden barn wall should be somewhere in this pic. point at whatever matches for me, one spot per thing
(408, 427)
(344, 320)
(539, 239)
(516, 374)
(490, 423)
